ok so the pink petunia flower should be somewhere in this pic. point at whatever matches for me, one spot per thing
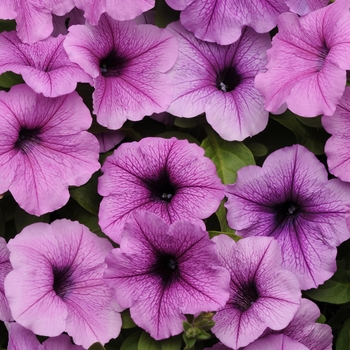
(56, 283)
(262, 293)
(308, 62)
(21, 338)
(44, 148)
(44, 65)
(127, 63)
(291, 199)
(169, 177)
(163, 272)
(219, 80)
(5, 268)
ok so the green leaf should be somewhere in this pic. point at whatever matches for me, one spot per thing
(313, 139)
(23, 219)
(87, 195)
(165, 14)
(146, 342)
(230, 234)
(221, 215)
(96, 346)
(187, 123)
(343, 340)
(311, 122)
(258, 149)
(131, 342)
(127, 320)
(8, 79)
(172, 343)
(228, 157)
(321, 319)
(336, 290)
(7, 25)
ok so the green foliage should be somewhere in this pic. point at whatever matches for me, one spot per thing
(165, 14)
(343, 340)
(7, 25)
(23, 219)
(172, 343)
(132, 341)
(8, 79)
(96, 346)
(230, 234)
(337, 289)
(146, 342)
(127, 320)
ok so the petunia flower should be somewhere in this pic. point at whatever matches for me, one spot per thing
(44, 148)
(308, 61)
(337, 146)
(5, 268)
(219, 80)
(62, 23)
(109, 139)
(276, 342)
(221, 21)
(34, 17)
(163, 272)
(56, 283)
(21, 338)
(44, 65)
(291, 199)
(303, 7)
(168, 177)
(117, 9)
(127, 63)
(262, 293)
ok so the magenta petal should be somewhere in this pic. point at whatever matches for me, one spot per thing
(21, 338)
(303, 7)
(168, 177)
(5, 268)
(152, 273)
(276, 342)
(46, 148)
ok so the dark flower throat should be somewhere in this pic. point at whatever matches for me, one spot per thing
(161, 188)
(112, 65)
(228, 79)
(27, 138)
(61, 280)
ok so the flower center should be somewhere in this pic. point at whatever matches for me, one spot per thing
(286, 210)
(61, 280)
(246, 296)
(161, 188)
(112, 65)
(166, 267)
(27, 138)
(228, 79)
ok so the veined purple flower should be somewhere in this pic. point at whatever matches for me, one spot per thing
(5, 268)
(303, 7)
(56, 284)
(291, 199)
(221, 21)
(262, 293)
(219, 80)
(163, 272)
(34, 17)
(169, 177)
(276, 342)
(337, 146)
(62, 23)
(21, 338)
(308, 61)
(44, 65)
(109, 139)
(44, 148)
(117, 9)
(127, 63)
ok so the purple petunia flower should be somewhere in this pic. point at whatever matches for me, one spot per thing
(291, 199)
(117, 9)
(276, 342)
(44, 65)
(163, 272)
(303, 7)
(56, 283)
(221, 21)
(337, 146)
(219, 80)
(168, 177)
(62, 23)
(21, 338)
(34, 17)
(262, 294)
(5, 268)
(308, 61)
(44, 148)
(127, 63)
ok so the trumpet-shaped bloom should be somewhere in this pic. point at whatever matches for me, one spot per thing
(56, 284)
(219, 80)
(5, 268)
(127, 63)
(337, 146)
(262, 293)
(44, 148)
(117, 9)
(34, 17)
(163, 272)
(303, 7)
(44, 65)
(221, 21)
(308, 61)
(291, 199)
(168, 177)
(21, 338)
